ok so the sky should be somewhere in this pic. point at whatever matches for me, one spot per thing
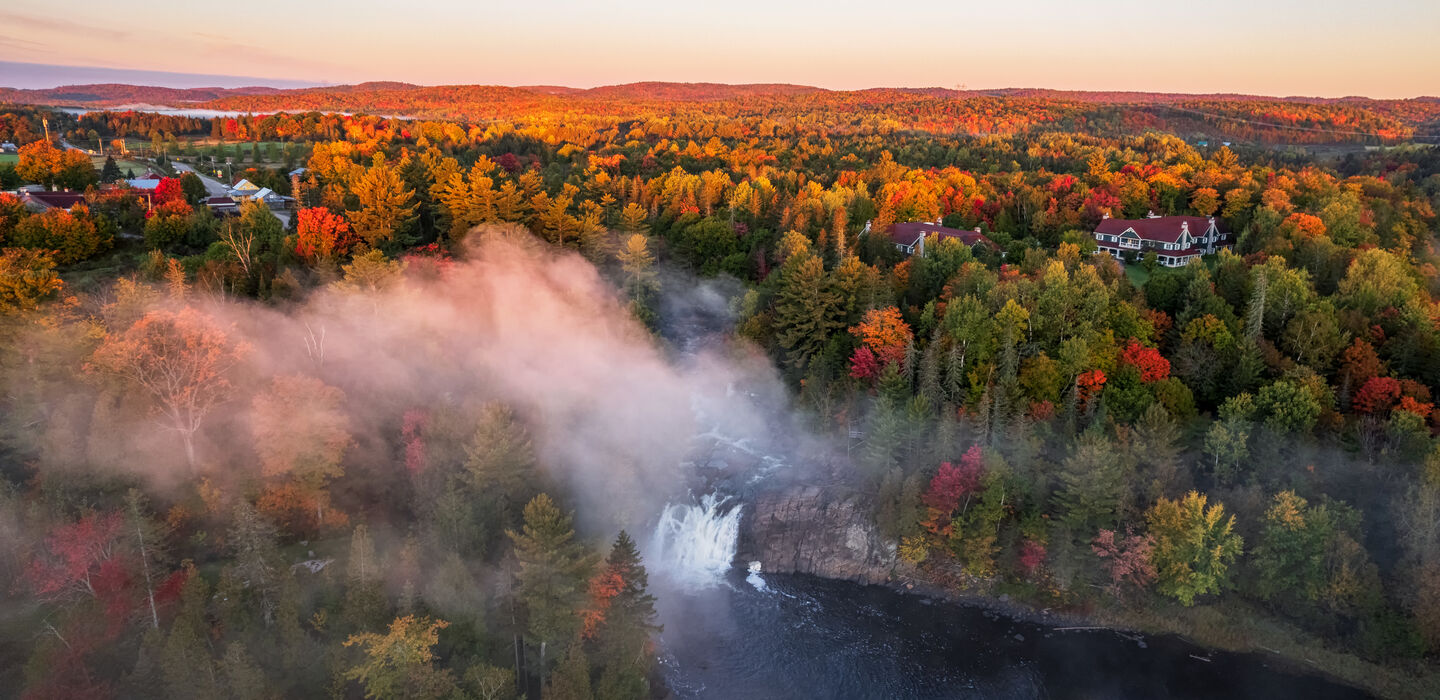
(1328, 48)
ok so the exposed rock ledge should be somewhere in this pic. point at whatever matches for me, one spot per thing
(818, 531)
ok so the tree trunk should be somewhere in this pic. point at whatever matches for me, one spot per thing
(145, 566)
(189, 437)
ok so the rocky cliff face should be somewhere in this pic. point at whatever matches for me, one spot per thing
(817, 531)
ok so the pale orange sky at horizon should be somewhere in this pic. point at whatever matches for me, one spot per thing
(1383, 49)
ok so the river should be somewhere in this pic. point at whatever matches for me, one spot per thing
(775, 636)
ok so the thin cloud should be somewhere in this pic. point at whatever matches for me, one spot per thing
(236, 53)
(69, 27)
(26, 44)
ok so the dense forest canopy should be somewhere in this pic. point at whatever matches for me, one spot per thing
(405, 417)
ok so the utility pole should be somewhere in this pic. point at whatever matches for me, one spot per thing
(46, 122)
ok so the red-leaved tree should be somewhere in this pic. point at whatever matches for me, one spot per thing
(950, 484)
(1089, 385)
(1377, 396)
(1152, 365)
(863, 364)
(84, 560)
(169, 190)
(1127, 558)
(1032, 555)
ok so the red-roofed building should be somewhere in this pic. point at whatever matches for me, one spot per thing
(910, 236)
(40, 201)
(1176, 240)
(223, 206)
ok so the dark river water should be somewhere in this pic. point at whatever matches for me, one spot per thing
(803, 637)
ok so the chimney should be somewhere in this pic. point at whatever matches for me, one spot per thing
(1106, 215)
(977, 229)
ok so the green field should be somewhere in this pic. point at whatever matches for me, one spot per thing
(137, 166)
(9, 158)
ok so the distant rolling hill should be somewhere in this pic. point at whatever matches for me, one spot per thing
(1271, 119)
(112, 94)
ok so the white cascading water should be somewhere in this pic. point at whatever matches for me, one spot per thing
(695, 542)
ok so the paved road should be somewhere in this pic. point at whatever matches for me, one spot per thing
(215, 188)
(73, 147)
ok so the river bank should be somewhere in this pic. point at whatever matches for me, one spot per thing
(827, 533)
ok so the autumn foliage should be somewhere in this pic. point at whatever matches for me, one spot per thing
(1089, 385)
(1377, 395)
(886, 333)
(169, 190)
(1032, 556)
(1152, 365)
(863, 364)
(321, 235)
(884, 336)
(603, 588)
(1127, 559)
(178, 359)
(950, 484)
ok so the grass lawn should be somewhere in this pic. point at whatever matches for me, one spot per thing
(1137, 274)
(9, 159)
(137, 166)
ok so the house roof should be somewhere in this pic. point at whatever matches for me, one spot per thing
(1160, 228)
(907, 233)
(219, 202)
(244, 185)
(54, 200)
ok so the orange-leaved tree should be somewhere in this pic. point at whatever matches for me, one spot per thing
(885, 333)
(322, 236)
(180, 359)
(301, 432)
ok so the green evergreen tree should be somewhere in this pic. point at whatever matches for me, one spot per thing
(1094, 486)
(500, 465)
(553, 571)
(242, 677)
(572, 677)
(807, 309)
(252, 538)
(623, 638)
(111, 171)
(186, 661)
(365, 606)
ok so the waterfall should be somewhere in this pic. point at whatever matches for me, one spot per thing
(694, 543)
